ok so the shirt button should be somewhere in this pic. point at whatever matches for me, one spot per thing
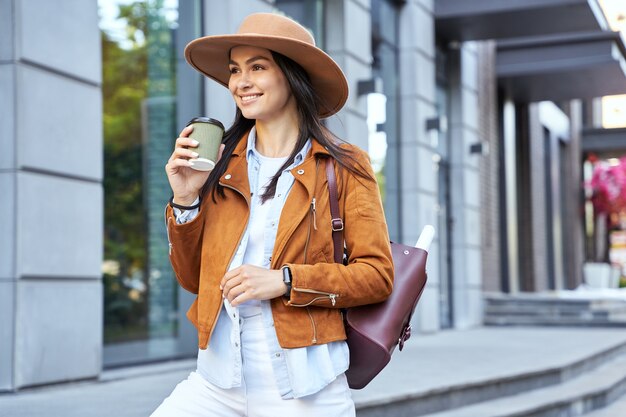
(278, 355)
(234, 315)
(300, 171)
(273, 224)
(227, 177)
(278, 195)
(236, 344)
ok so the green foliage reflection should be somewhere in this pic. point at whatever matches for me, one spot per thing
(125, 80)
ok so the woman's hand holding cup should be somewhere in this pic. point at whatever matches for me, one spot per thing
(185, 181)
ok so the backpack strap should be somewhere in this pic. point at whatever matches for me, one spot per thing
(336, 220)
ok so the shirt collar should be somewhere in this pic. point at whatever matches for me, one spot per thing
(251, 150)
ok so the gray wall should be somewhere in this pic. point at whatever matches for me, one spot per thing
(50, 177)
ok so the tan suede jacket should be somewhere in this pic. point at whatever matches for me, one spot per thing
(202, 249)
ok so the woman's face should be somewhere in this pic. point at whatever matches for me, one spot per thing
(257, 84)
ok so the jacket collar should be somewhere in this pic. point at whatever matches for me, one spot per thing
(317, 149)
(236, 175)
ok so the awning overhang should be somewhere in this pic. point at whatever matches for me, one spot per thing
(562, 67)
(464, 20)
(605, 143)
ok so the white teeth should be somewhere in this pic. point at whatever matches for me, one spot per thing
(248, 98)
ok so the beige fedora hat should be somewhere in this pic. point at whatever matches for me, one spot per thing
(210, 55)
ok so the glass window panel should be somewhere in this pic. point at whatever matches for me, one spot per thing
(140, 56)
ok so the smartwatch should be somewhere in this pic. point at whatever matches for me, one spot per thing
(287, 281)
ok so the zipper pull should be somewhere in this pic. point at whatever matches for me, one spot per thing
(332, 298)
(313, 209)
(170, 245)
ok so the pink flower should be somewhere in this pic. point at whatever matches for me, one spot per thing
(608, 185)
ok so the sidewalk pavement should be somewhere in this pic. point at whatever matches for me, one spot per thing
(428, 364)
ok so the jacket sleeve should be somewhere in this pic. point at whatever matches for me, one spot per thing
(185, 248)
(368, 276)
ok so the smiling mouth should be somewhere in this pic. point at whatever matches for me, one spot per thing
(245, 99)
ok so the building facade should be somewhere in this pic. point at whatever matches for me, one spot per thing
(461, 137)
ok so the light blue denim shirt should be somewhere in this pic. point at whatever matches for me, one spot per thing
(298, 372)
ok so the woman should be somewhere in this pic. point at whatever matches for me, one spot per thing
(253, 238)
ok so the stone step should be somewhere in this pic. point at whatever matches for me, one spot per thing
(596, 305)
(617, 409)
(538, 302)
(552, 321)
(591, 391)
(545, 311)
(500, 385)
(542, 299)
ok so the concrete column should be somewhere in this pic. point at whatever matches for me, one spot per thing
(550, 130)
(51, 181)
(575, 251)
(490, 178)
(419, 186)
(537, 178)
(465, 188)
(348, 41)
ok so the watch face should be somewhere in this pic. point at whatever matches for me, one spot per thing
(286, 275)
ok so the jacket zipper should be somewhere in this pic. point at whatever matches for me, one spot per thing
(314, 340)
(167, 229)
(308, 233)
(328, 295)
(313, 210)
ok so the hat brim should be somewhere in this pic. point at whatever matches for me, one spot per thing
(209, 55)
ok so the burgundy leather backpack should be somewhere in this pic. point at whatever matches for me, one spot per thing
(375, 330)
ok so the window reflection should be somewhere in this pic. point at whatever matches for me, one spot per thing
(139, 107)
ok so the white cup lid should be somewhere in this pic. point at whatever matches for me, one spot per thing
(202, 164)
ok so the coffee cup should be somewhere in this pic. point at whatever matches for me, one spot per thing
(209, 133)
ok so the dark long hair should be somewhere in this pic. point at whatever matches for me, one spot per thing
(308, 105)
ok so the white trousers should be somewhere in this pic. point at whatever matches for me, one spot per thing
(258, 395)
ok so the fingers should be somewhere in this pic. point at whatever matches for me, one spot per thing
(233, 288)
(241, 298)
(236, 286)
(186, 131)
(249, 282)
(185, 142)
(174, 164)
(183, 153)
(232, 278)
